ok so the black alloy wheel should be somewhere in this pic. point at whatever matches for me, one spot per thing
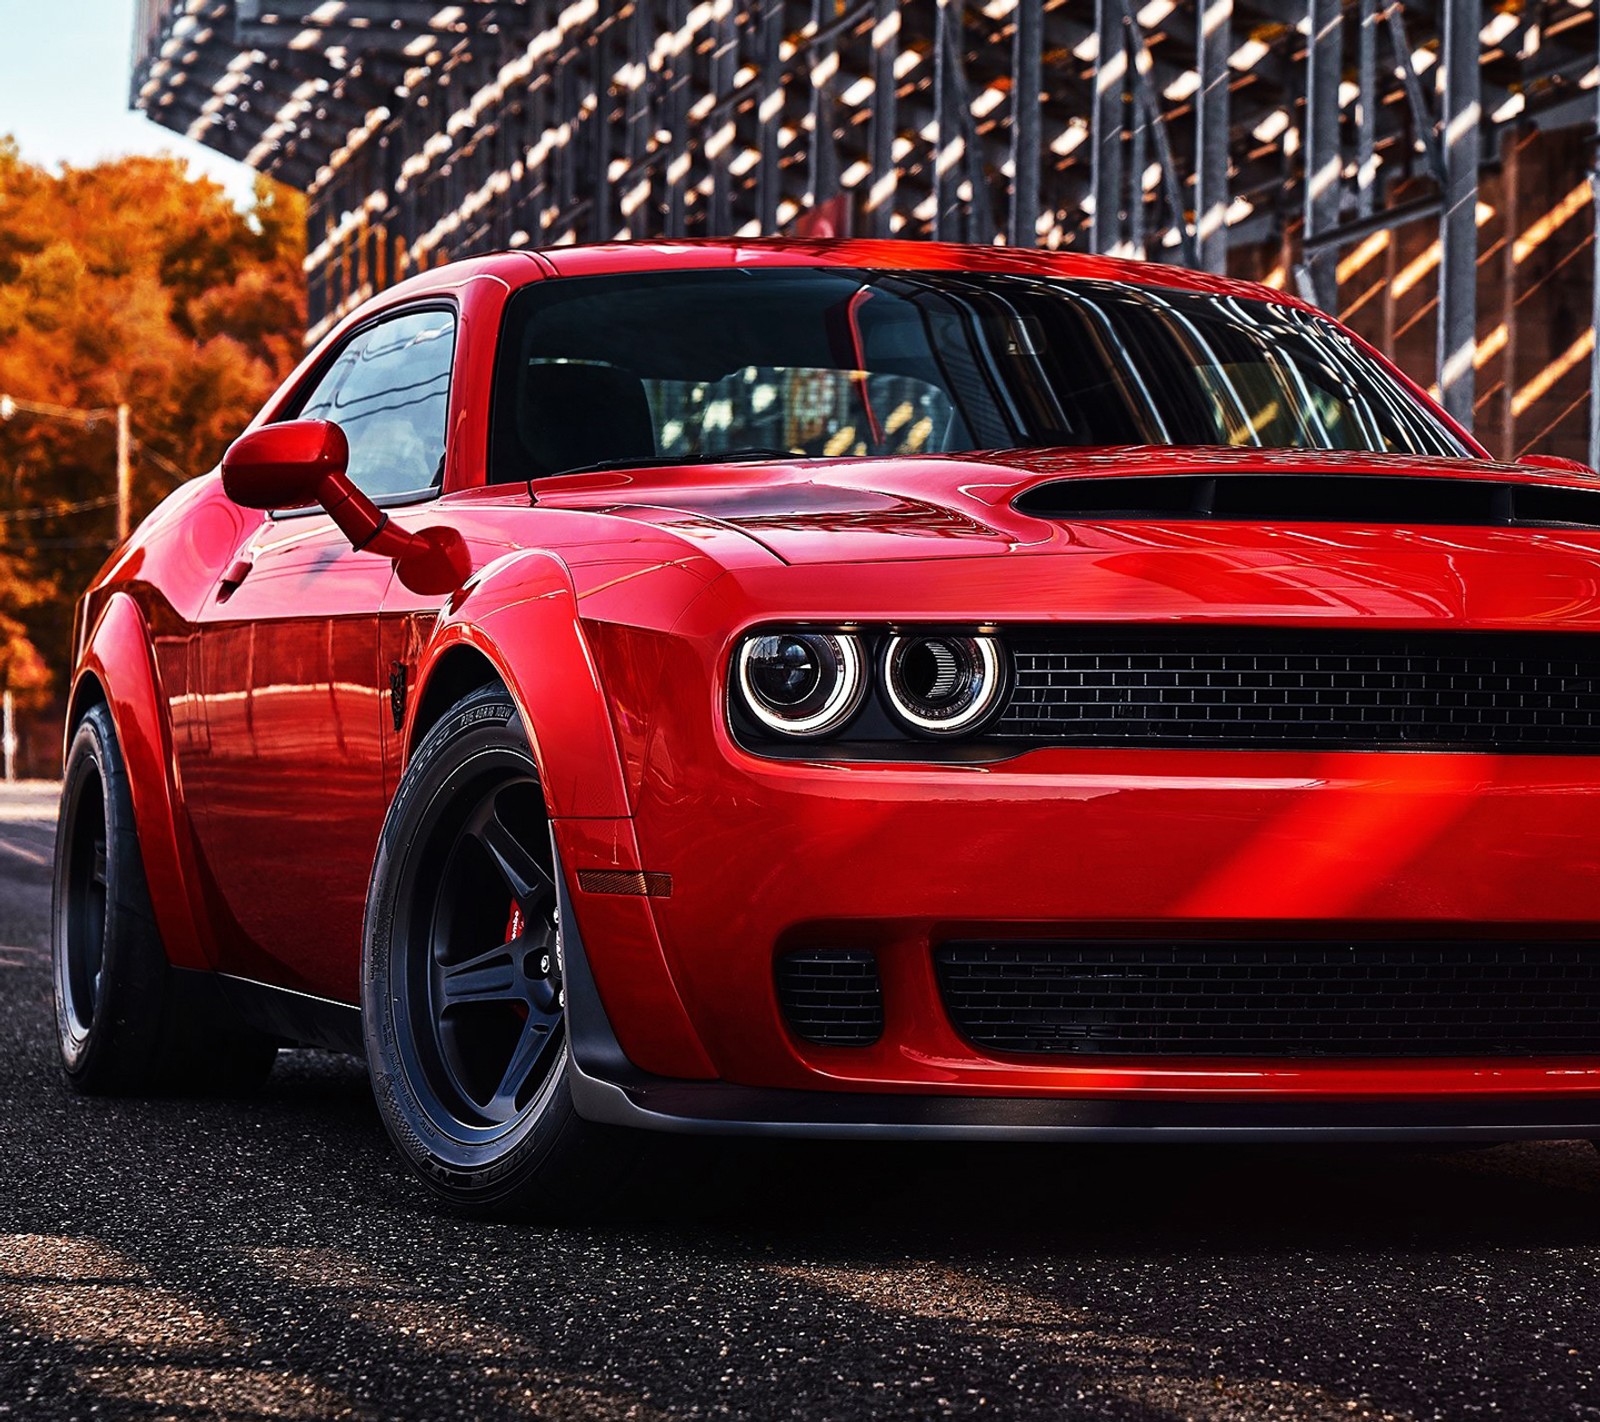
(481, 1017)
(125, 1022)
(82, 874)
(462, 996)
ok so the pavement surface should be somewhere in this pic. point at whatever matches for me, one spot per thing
(266, 1258)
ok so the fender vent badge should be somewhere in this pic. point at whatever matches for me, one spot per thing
(397, 693)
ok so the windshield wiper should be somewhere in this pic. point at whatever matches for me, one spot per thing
(667, 461)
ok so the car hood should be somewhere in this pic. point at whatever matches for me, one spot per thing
(820, 511)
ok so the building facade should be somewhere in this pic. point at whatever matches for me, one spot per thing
(1422, 168)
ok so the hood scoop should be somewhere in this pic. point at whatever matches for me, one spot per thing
(1281, 497)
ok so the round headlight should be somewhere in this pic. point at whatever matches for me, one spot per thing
(944, 685)
(801, 683)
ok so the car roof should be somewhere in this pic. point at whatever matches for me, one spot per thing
(527, 264)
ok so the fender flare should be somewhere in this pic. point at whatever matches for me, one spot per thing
(118, 655)
(521, 615)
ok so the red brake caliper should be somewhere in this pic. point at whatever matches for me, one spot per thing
(514, 926)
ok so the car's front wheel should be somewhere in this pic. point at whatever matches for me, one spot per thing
(462, 996)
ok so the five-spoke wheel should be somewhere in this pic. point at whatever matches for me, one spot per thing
(462, 992)
(493, 1014)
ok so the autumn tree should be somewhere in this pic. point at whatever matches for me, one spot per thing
(128, 281)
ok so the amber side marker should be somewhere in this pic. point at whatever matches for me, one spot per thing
(625, 881)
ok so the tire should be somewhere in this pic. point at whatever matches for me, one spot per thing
(125, 1022)
(462, 1006)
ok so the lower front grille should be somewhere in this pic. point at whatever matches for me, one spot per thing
(1311, 688)
(1277, 999)
(832, 997)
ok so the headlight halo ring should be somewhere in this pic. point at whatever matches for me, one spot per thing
(840, 702)
(967, 672)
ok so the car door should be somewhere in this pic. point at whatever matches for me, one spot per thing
(291, 790)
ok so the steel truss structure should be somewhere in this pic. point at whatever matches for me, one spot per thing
(1305, 141)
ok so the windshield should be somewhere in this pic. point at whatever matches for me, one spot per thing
(617, 370)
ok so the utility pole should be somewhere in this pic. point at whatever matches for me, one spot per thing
(8, 734)
(11, 406)
(124, 473)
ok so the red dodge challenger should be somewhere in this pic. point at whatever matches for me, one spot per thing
(845, 689)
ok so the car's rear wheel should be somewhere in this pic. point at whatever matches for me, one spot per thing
(462, 997)
(124, 1021)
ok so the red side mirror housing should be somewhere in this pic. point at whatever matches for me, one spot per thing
(1558, 463)
(284, 466)
(300, 462)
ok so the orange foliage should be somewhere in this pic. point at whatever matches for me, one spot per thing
(128, 281)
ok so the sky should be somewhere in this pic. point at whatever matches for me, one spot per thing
(64, 84)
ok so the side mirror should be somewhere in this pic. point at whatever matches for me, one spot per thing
(1557, 463)
(300, 462)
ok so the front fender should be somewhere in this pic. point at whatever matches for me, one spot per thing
(521, 615)
(117, 654)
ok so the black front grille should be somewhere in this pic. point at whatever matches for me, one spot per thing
(1293, 999)
(1335, 689)
(832, 997)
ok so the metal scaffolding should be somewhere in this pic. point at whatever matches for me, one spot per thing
(1271, 138)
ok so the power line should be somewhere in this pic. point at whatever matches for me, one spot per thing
(88, 419)
(72, 543)
(165, 465)
(14, 404)
(60, 510)
(10, 405)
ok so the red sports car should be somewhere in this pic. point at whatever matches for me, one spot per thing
(816, 689)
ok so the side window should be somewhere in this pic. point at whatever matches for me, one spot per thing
(389, 391)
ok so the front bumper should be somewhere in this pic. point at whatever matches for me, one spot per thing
(769, 856)
(1201, 845)
(607, 1088)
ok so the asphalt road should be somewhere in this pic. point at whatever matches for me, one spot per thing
(267, 1259)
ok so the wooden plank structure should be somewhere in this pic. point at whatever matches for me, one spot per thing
(1421, 166)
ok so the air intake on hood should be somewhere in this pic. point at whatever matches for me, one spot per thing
(1315, 498)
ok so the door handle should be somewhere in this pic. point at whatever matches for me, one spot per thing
(234, 576)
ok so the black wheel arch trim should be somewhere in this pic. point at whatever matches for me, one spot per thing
(596, 1056)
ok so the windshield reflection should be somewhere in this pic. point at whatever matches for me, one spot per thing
(614, 371)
